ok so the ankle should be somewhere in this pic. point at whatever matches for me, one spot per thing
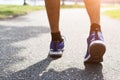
(95, 27)
(56, 36)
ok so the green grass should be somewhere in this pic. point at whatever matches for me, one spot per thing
(113, 13)
(72, 6)
(107, 6)
(83, 6)
(15, 10)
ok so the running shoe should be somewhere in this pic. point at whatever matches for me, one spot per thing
(96, 47)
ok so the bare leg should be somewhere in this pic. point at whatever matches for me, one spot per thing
(53, 11)
(57, 43)
(96, 47)
(93, 9)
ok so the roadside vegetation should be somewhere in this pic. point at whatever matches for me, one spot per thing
(113, 13)
(72, 6)
(15, 10)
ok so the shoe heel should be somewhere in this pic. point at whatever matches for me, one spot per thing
(97, 51)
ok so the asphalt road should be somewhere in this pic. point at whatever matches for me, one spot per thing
(24, 47)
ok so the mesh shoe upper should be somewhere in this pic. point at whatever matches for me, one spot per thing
(95, 35)
(56, 46)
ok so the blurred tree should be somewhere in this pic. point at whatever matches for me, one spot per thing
(119, 1)
(63, 2)
(116, 1)
(76, 1)
(25, 3)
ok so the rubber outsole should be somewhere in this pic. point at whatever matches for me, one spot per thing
(56, 54)
(96, 51)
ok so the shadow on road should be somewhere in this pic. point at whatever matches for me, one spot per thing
(39, 71)
(10, 35)
(14, 34)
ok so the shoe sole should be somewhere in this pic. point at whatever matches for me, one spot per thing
(96, 50)
(56, 54)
